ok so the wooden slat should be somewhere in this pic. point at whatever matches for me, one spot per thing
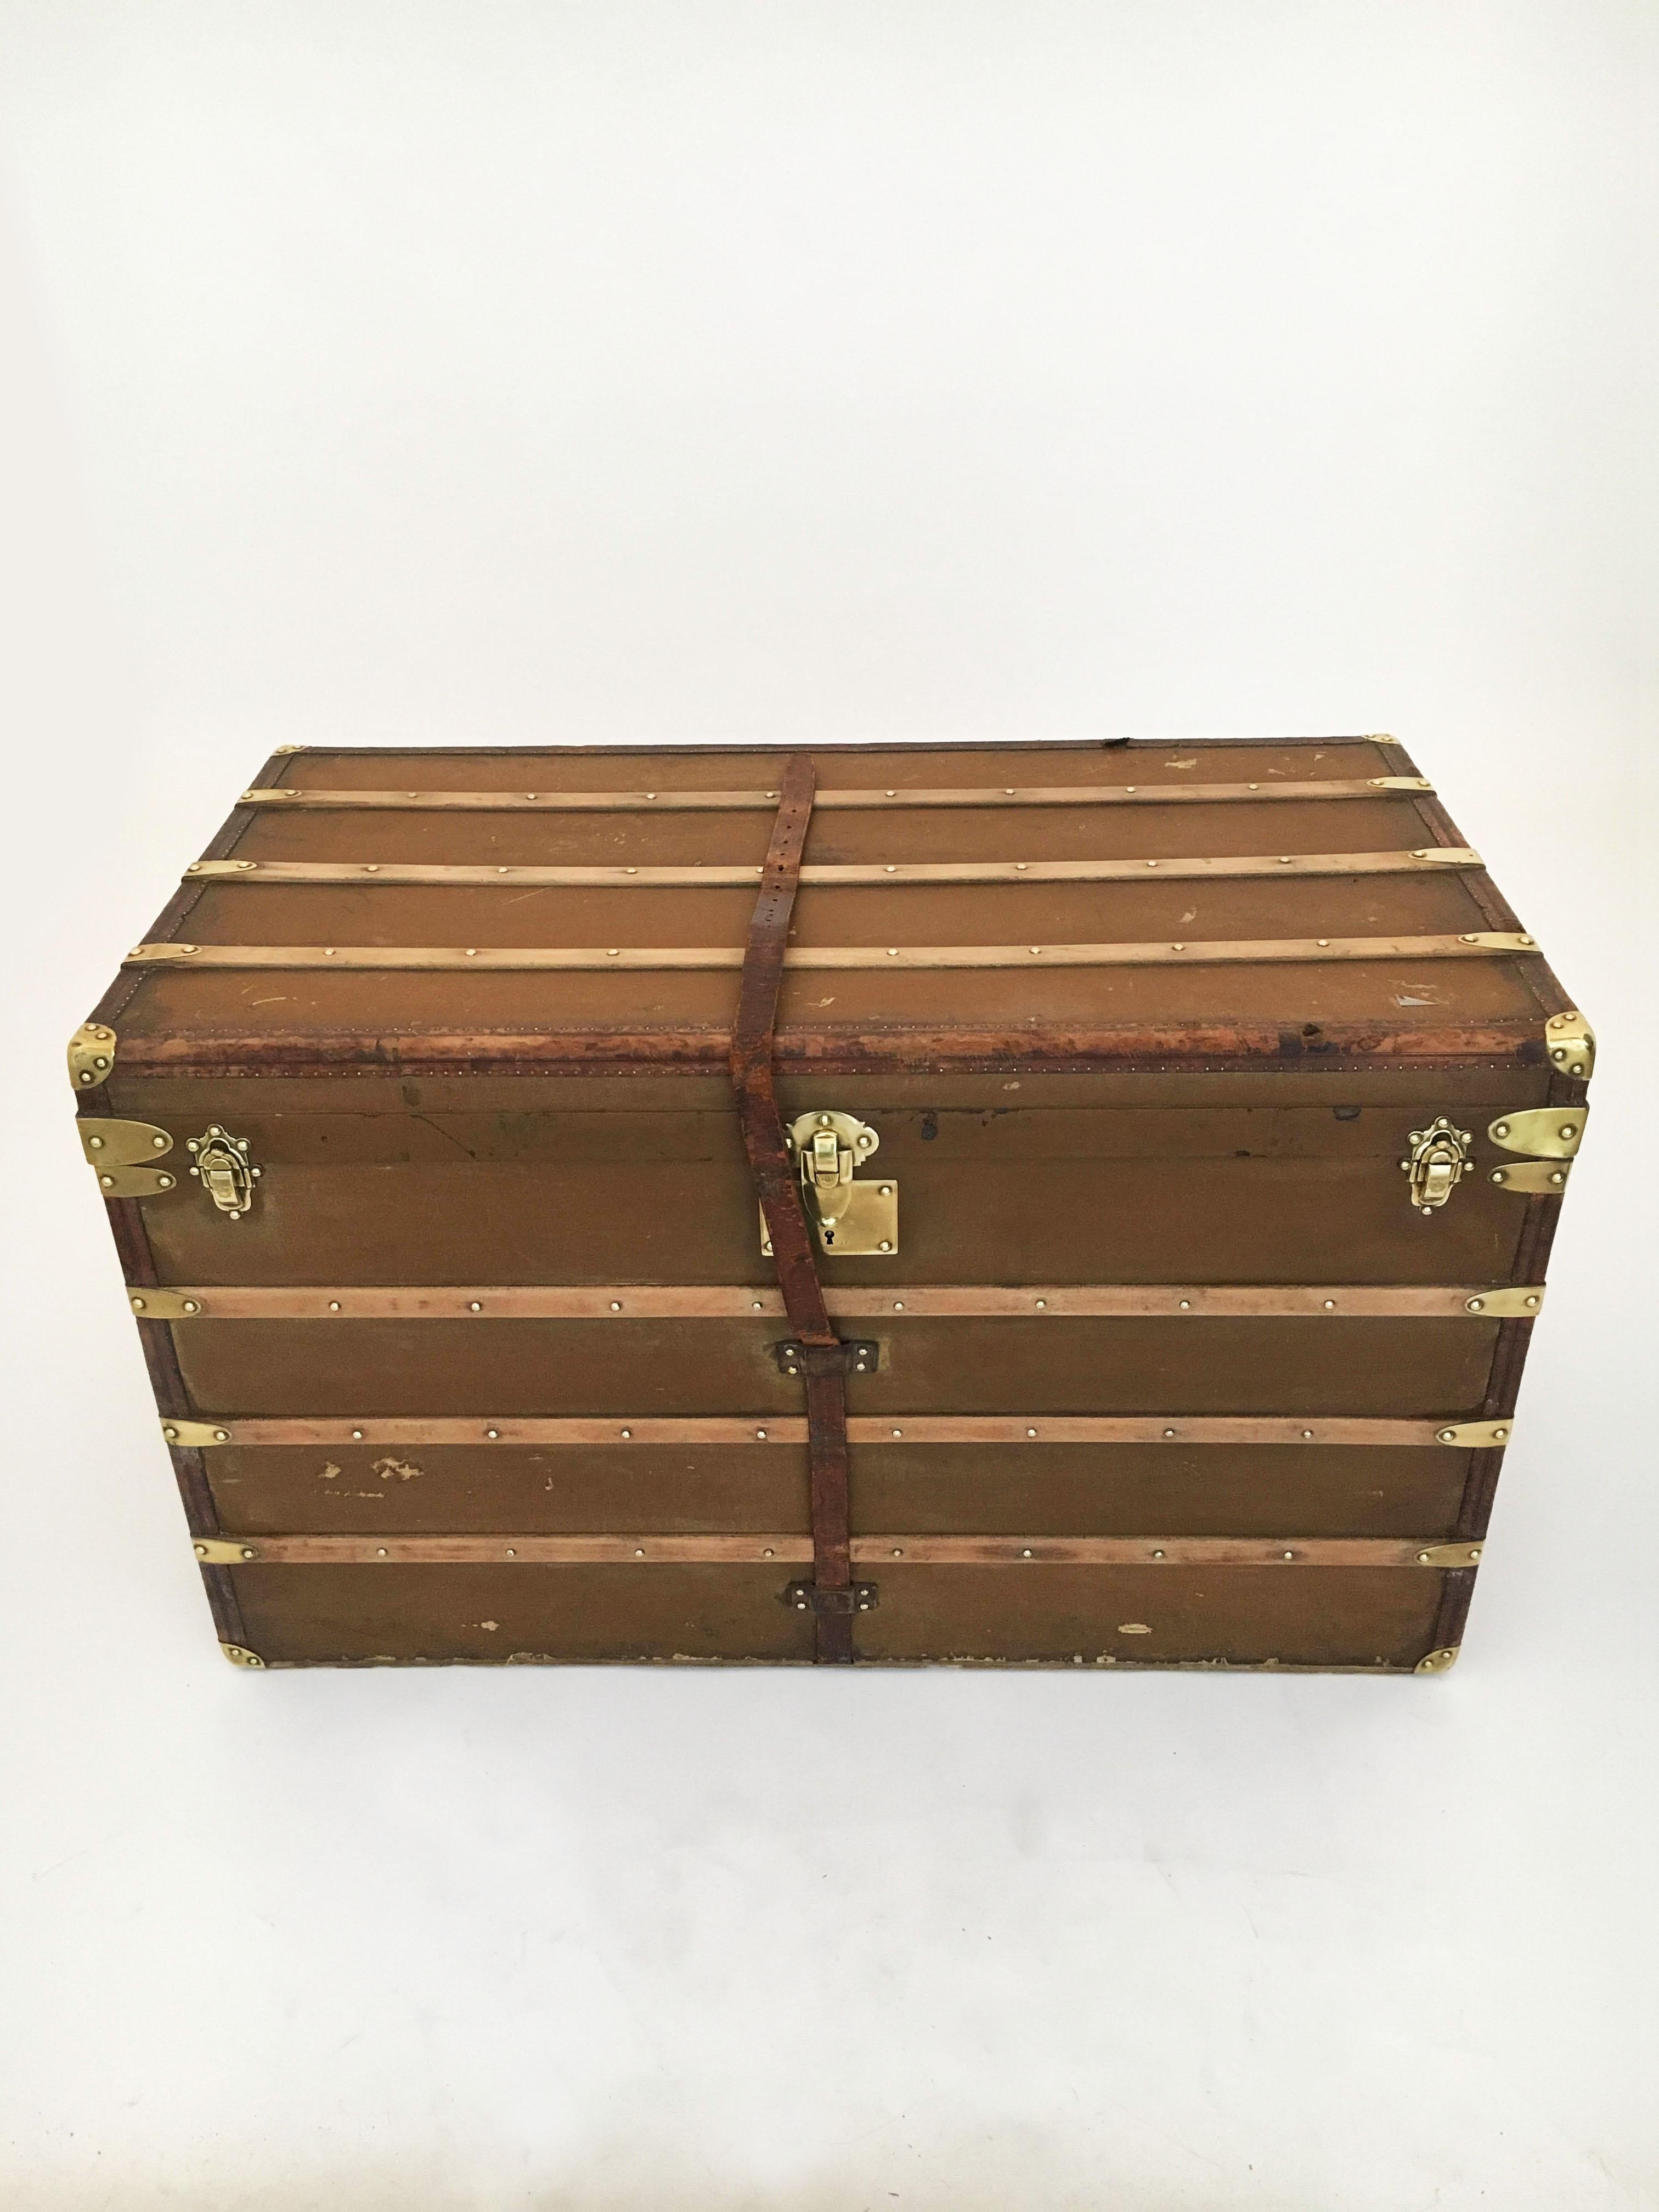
(1014, 1429)
(895, 958)
(868, 1551)
(738, 1302)
(388, 874)
(728, 802)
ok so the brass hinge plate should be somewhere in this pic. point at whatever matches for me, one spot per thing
(1475, 1436)
(1439, 1662)
(1571, 1043)
(1546, 1132)
(91, 1055)
(1542, 1178)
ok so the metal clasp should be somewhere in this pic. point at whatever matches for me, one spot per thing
(1436, 1162)
(225, 1171)
(850, 1217)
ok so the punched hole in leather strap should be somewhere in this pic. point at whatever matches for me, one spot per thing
(776, 1186)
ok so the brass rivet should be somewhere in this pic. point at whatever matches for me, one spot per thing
(639, 1551)
(1168, 1432)
(898, 1304)
(95, 1144)
(222, 1436)
(615, 1306)
(1158, 1555)
(1041, 1303)
(158, 1143)
(172, 1435)
(627, 1433)
(381, 1553)
(334, 1305)
(475, 1305)
(165, 1181)
(1446, 1436)
(356, 1436)
(887, 1190)
(898, 1432)
(1422, 1559)
(1569, 1128)
(1500, 1129)
(1322, 941)
(1500, 1434)
(1151, 863)
(885, 1245)
(1284, 859)
(138, 1306)
(1532, 1302)
(472, 951)
(1177, 948)
(1307, 1436)
(108, 1182)
(761, 1434)
(192, 1305)
(1287, 1555)
(1185, 1305)
(1474, 1551)
(768, 1552)
(201, 1551)
(754, 1305)
(1026, 1555)
(1030, 1432)
(892, 951)
(248, 1552)
(1330, 1305)
(1476, 1305)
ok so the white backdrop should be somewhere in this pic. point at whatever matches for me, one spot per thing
(390, 370)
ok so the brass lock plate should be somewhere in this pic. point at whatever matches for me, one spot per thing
(852, 1219)
(224, 1171)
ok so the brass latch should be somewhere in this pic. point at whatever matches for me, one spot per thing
(1436, 1162)
(856, 1218)
(225, 1171)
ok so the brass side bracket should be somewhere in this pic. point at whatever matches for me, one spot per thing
(1546, 1132)
(1571, 1043)
(124, 1153)
(1545, 1178)
(224, 1550)
(1450, 1555)
(1475, 1436)
(91, 1055)
(194, 1436)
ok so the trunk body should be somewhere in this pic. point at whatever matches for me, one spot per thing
(1169, 1363)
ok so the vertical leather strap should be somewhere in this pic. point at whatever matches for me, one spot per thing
(777, 1184)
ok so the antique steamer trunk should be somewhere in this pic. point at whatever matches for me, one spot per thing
(1069, 1204)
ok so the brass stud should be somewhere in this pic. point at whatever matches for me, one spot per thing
(222, 1436)
(615, 1306)
(1330, 1305)
(248, 1552)
(626, 1435)
(898, 1432)
(1041, 1304)
(1476, 1305)
(138, 1306)
(1158, 1555)
(1168, 1432)
(494, 1435)
(1026, 1555)
(1030, 1432)
(1184, 1305)
(334, 1305)
(1287, 1555)
(356, 1436)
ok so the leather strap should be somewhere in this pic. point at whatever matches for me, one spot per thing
(777, 1184)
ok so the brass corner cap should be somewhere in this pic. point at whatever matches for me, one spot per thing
(239, 1656)
(1570, 1043)
(91, 1055)
(1439, 1662)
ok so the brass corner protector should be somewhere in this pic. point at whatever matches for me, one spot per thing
(1382, 737)
(276, 750)
(1440, 1662)
(1475, 1436)
(91, 1055)
(1572, 1044)
(239, 1656)
(194, 1436)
